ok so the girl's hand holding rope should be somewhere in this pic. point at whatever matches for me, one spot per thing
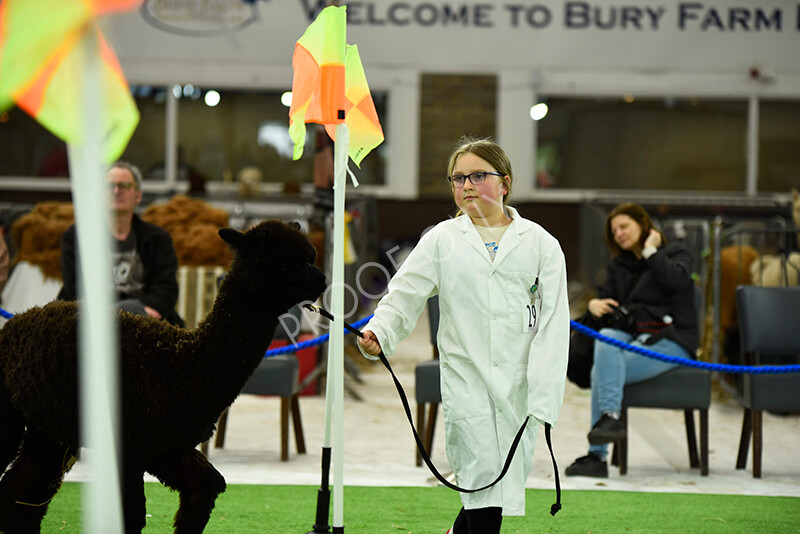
(369, 343)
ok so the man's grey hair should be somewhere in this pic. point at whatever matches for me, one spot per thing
(130, 167)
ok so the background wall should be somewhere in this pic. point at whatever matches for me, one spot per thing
(690, 107)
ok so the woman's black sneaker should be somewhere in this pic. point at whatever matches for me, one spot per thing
(588, 466)
(607, 430)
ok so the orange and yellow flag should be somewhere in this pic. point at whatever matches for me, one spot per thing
(329, 87)
(361, 118)
(42, 65)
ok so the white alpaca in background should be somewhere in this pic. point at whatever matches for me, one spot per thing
(780, 270)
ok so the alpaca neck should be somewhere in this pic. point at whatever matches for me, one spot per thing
(231, 342)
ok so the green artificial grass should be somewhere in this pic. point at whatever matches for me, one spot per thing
(371, 510)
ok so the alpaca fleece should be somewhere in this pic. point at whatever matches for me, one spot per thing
(37, 236)
(193, 226)
(174, 384)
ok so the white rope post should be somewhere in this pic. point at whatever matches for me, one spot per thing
(340, 155)
(98, 343)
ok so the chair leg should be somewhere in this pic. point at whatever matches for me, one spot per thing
(757, 442)
(744, 441)
(691, 439)
(219, 442)
(623, 444)
(285, 408)
(704, 442)
(615, 455)
(299, 438)
(420, 428)
(430, 427)
(288, 405)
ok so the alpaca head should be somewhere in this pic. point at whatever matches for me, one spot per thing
(275, 261)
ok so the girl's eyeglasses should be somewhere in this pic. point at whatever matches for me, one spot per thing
(475, 178)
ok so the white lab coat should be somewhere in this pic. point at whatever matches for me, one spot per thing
(503, 347)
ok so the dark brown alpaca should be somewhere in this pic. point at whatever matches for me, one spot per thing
(174, 384)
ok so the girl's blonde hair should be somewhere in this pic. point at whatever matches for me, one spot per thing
(489, 151)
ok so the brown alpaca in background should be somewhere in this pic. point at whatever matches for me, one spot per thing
(735, 262)
(193, 226)
(37, 236)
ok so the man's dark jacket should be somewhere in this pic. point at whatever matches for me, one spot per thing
(160, 263)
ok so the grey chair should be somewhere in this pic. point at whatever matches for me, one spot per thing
(683, 388)
(769, 322)
(428, 391)
(276, 375)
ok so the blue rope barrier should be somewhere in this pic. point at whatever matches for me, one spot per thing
(274, 352)
(740, 369)
(311, 342)
(578, 327)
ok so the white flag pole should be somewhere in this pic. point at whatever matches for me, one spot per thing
(322, 516)
(97, 360)
(340, 155)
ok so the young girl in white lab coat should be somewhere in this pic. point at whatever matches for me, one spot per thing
(503, 330)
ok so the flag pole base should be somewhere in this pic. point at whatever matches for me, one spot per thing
(323, 496)
(323, 505)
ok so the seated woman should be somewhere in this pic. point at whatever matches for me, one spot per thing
(647, 300)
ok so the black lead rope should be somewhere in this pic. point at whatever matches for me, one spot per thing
(404, 399)
(556, 505)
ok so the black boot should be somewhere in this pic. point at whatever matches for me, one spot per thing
(607, 430)
(590, 465)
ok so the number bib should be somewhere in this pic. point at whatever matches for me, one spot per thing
(531, 314)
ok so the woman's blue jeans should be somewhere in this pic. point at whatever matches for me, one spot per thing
(614, 368)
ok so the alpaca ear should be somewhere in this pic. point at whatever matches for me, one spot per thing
(231, 236)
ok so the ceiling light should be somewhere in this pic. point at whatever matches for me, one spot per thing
(212, 98)
(539, 111)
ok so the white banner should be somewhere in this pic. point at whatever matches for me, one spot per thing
(717, 36)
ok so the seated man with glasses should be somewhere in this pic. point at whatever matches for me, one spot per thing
(143, 258)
